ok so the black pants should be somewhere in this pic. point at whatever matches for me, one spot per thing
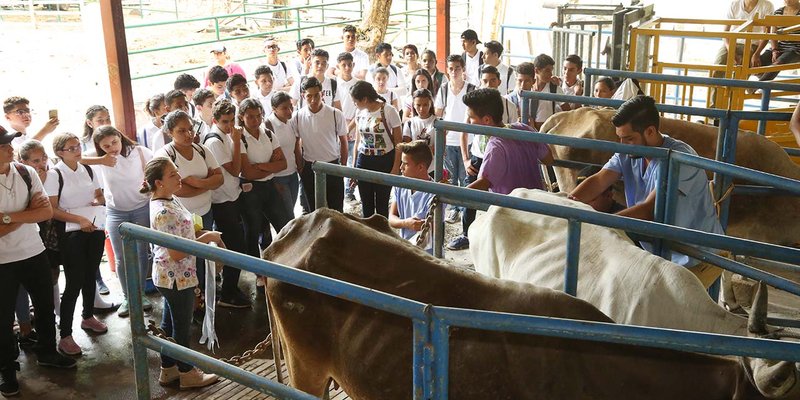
(334, 186)
(375, 197)
(228, 221)
(35, 276)
(80, 254)
(468, 217)
(260, 207)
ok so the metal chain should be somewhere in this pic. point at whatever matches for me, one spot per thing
(237, 361)
(422, 238)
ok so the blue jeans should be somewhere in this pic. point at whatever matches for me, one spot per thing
(176, 321)
(454, 165)
(114, 218)
(288, 188)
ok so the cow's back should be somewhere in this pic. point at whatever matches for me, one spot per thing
(750, 216)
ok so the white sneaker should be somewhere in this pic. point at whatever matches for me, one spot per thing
(452, 216)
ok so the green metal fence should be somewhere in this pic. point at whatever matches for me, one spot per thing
(300, 21)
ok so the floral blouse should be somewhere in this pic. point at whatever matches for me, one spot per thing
(170, 216)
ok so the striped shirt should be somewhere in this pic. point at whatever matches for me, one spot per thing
(785, 45)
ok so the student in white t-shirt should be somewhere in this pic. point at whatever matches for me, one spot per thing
(410, 55)
(23, 261)
(345, 81)
(360, 58)
(18, 115)
(420, 80)
(380, 79)
(263, 157)
(224, 140)
(473, 57)
(237, 89)
(571, 84)
(264, 88)
(330, 89)
(281, 76)
(150, 136)
(74, 191)
(322, 130)
(491, 57)
(124, 203)
(384, 55)
(200, 172)
(379, 132)
(420, 126)
(301, 65)
(450, 107)
(543, 66)
(490, 78)
(280, 122)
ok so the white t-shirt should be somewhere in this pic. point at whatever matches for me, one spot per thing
(295, 68)
(421, 129)
(348, 106)
(360, 58)
(375, 139)
(472, 68)
(17, 142)
(328, 97)
(260, 150)
(570, 90)
(280, 76)
(286, 139)
(78, 190)
(454, 111)
(151, 137)
(266, 101)
(24, 242)
(736, 11)
(121, 183)
(396, 77)
(391, 97)
(507, 82)
(547, 108)
(222, 149)
(198, 166)
(319, 132)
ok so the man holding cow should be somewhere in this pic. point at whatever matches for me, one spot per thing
(637, 123)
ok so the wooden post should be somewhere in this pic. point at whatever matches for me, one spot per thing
(119, 71)
(442, 33)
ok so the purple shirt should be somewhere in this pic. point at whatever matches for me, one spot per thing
(511, 164)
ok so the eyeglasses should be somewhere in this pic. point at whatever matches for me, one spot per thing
(21, 112)
(73, 149)
(273, 47)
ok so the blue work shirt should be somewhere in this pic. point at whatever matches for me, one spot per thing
(412, 204)
(695, 208)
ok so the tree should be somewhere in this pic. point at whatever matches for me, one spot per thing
(373, 27)
(278, 18)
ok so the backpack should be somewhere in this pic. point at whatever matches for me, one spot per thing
(444, 90)
(26, 176)
(285, 70)
(480, 58)
(534, 103)
(333, 90)
(174, 153)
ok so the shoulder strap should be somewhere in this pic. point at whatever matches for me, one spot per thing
(508, 75)
(470, 87)
(210, 135)
(89, 171)
(386, 125)
(60, 182)
(333, 90)
(25, 174)
(270, 130)
(141, 157)
(553, 89)
(173, 154)
(444, 90)
(283, 65)
(393, 69)
(199, 149)
(335, 123)
(480, 58)
(144, 137)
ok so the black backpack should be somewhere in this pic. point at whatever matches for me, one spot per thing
(215, 135)
(174, 153)
(534, 103)
(26, 176)
(445, 91)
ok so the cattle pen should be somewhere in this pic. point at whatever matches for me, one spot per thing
(431, 323)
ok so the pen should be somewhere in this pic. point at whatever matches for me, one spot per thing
(93, 219)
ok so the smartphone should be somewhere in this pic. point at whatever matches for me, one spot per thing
(52, 114)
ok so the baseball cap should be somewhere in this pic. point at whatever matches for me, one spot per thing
(6, 137)
(470, 34)
(218, 48)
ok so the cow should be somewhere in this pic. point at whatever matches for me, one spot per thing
(369, 353)
(750, 217)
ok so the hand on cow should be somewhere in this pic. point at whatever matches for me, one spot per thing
(414, 223)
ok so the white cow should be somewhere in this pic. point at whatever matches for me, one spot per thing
(630, 285)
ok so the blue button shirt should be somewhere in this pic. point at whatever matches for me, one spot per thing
(695, 208)
(412, 204)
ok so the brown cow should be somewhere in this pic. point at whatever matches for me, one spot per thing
(369, 352)
(772, 219)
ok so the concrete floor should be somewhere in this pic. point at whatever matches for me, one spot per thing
(105, 370)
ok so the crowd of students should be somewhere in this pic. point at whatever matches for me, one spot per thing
(222, 162)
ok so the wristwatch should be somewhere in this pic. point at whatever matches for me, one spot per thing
(6, 219)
